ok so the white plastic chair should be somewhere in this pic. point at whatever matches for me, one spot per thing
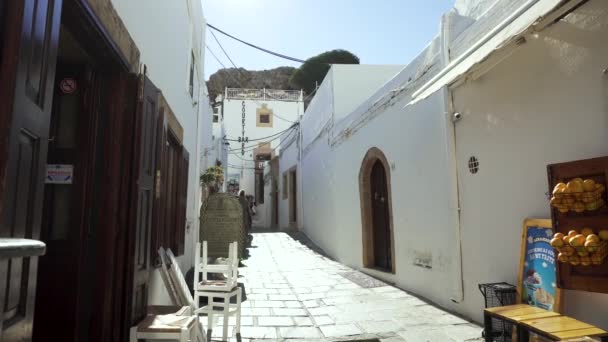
(224, 289)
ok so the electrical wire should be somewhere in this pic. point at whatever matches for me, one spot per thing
(257, 47)
(270, 136)
(253, 147)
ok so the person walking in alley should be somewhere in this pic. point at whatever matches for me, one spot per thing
(246, 214)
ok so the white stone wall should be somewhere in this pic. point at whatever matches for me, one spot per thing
(289, 112)
(541, 102)
(546, 103)
(167, 33)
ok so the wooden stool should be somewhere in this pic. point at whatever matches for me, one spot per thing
(559, 328)
(166, 327)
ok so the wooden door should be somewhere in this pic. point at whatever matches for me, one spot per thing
(380, 218)
(29, 52)
(146, 132)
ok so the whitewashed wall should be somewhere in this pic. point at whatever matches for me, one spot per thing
(546, 103)
(352, 84)
(166, 34)
(290, 111)
(288, 160)
(414, 142)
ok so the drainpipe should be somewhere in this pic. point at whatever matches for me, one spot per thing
(450, 146)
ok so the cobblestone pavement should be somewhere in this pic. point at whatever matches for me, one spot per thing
(296, 294)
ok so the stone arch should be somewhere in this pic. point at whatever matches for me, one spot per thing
(372, 156)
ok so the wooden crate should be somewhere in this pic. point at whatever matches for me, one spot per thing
(585, 278)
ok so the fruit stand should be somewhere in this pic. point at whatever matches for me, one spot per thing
(580, 220)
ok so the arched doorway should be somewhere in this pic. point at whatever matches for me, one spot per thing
(376, 212)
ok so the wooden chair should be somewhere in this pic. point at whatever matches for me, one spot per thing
(178, 289)
(224, 289)
(180, 326)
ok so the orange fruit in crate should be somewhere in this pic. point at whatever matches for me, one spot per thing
(592, 246)
(562, 257)
(559, 188)
(574, 260)
(579, 207)
(592, 205)
(586, 231)
(603, 234)
(574, 186)
(572, 233)
(588, 185)
(577, 241)
(557, 243)
(593, 237)
(581, 251)
(577, 179)
(585, 260)
(558, 236)
(566, 240)
(596, 259)
(568, 250)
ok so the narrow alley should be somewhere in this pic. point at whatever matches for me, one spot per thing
(296, 294)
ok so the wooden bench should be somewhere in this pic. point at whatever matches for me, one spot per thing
(548, 324)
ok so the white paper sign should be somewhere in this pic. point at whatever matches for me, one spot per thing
(59, 174)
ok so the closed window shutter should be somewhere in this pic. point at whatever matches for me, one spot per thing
(182, 199)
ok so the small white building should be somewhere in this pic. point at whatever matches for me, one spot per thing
(254, 120)
(517, 85)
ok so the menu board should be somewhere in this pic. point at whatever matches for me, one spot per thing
(537, 285)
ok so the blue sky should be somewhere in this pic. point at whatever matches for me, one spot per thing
(378, 31)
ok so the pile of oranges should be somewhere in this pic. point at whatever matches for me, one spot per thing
(578, 195)
(584, 248)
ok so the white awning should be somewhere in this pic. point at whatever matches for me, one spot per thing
(518, 22)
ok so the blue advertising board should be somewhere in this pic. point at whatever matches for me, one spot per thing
(538, 277)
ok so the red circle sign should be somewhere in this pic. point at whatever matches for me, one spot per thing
(68, 85)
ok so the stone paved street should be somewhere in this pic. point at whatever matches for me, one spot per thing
(296, 294)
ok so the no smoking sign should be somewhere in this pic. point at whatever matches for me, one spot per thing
(68, 85)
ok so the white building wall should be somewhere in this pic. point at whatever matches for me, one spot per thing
(547, 103)
(353, 83)
(414, 143)
(288, 160)
(543, 104)
(167, 35)
(288, 111)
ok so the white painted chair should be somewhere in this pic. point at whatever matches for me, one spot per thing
(180, 326)
(229, 270)
(178, 289)
(224, 289)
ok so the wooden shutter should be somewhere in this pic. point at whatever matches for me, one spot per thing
(27, 72)
(142, 202)
(160, 185)
(182, 200)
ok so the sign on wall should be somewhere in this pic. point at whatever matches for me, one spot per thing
(59, 174)
(537, 284)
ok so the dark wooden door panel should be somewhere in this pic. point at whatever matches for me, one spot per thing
(146, 131)
(380, 217)
(36, 50)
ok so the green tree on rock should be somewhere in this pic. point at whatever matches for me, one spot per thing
(315, 68)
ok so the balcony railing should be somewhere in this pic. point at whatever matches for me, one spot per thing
(263, 94)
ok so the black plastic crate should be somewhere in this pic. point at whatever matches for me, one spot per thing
(499, 294)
